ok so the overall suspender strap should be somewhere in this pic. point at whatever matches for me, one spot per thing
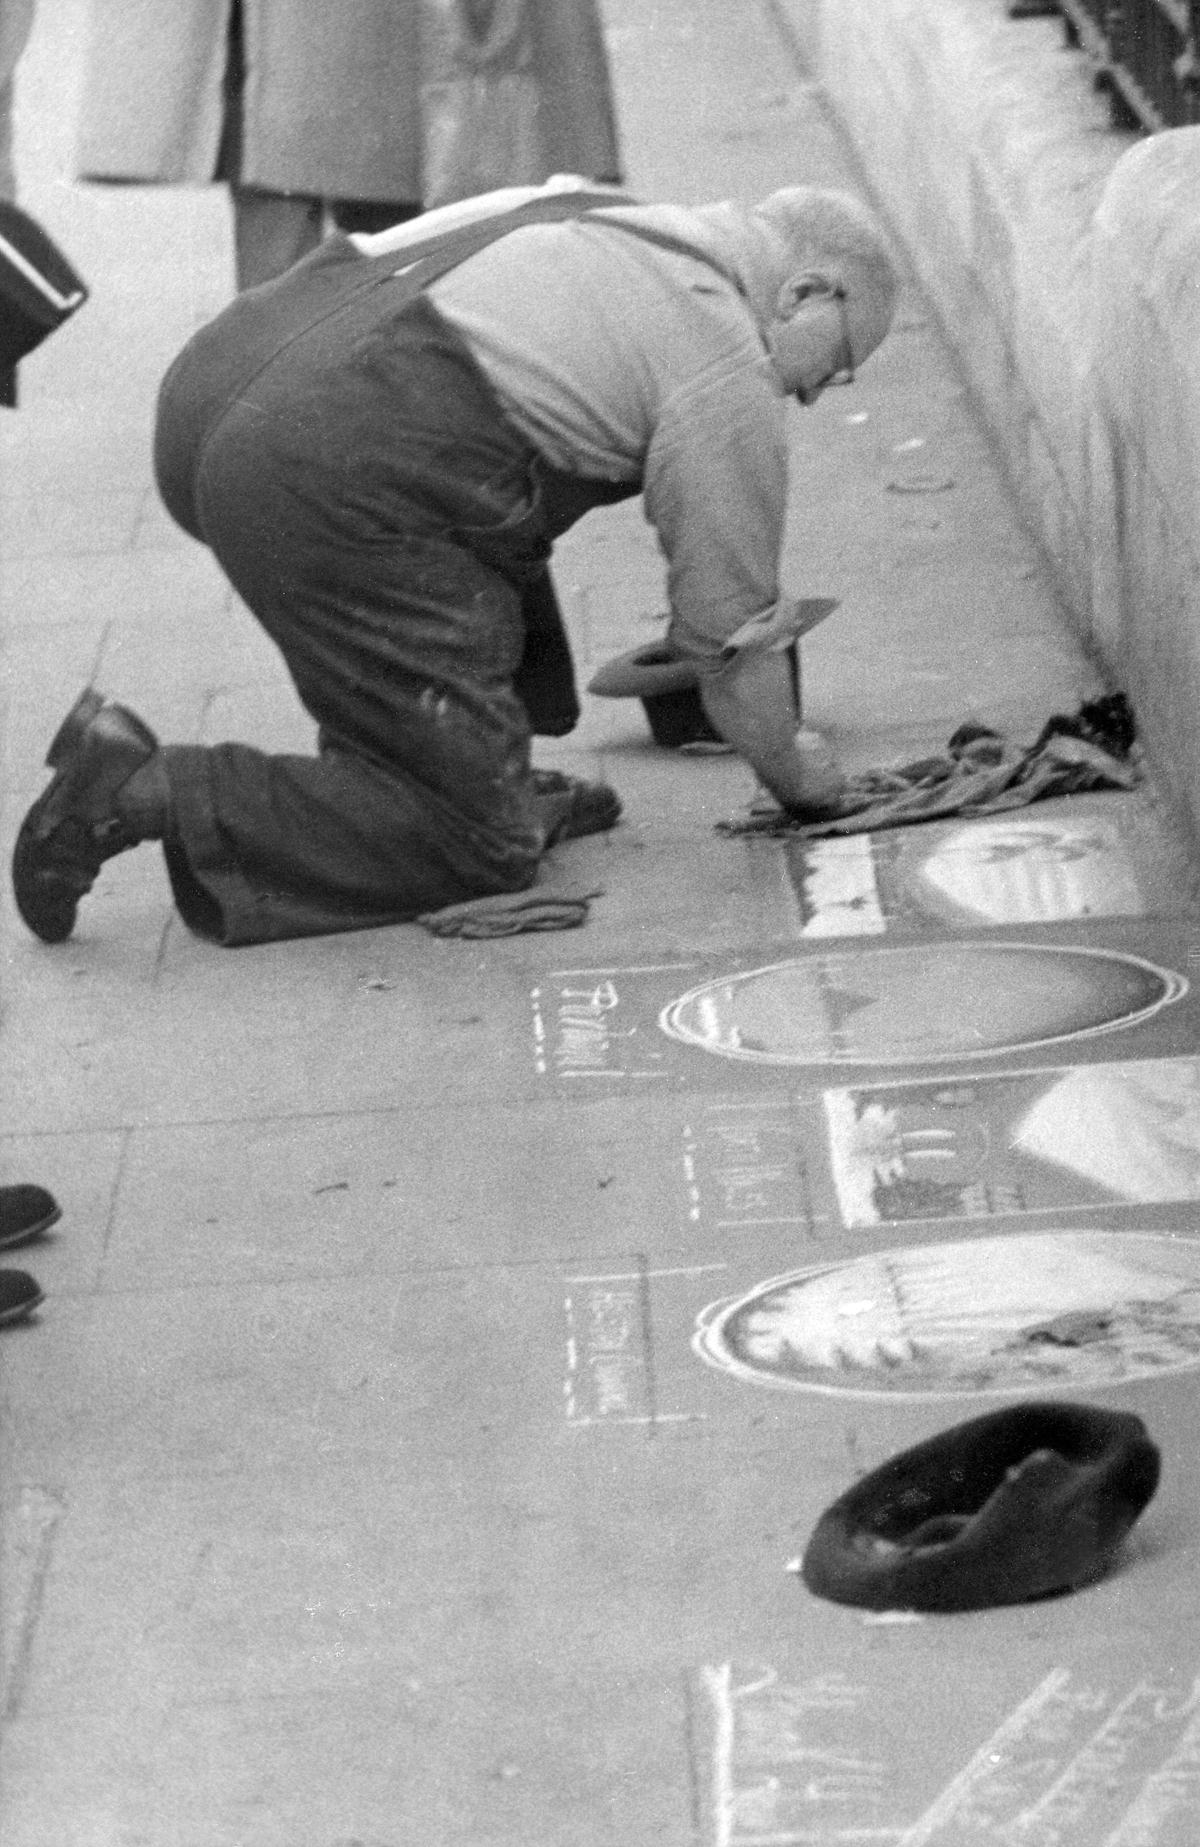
(427, 259)
(679, 246)
(220, 361)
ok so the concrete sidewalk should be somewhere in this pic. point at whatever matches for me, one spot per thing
(442, 1359)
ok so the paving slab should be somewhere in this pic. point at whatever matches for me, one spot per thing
(449, 1347)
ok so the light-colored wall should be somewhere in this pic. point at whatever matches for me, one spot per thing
(1144, 325)
(1063, 260)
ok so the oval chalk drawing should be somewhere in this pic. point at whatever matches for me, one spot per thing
(1006, 1314)
(1030, 869)
(919, 1003)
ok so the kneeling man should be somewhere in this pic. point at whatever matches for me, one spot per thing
(380, 448)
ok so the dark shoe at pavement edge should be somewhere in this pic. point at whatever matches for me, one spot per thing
(25, 1213)
(19, 1296)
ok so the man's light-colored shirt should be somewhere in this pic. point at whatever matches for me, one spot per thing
(627, 361)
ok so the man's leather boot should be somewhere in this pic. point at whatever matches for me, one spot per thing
(78, 821)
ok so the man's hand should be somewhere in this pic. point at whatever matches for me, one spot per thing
(753, 704)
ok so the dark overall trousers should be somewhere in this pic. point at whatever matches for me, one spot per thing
(333, 441)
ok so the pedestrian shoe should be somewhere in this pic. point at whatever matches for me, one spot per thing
(1019, 1504)
(74, 826)
(26, 1212)
(19, 1296)
(591, 807)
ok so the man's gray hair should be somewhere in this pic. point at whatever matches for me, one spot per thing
(833, 233)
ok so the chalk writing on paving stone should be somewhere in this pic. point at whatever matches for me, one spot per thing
(610, 1373)
(581, 1029)
(816, 1764)
(744, 1166)
(1073, 1766)
(607, 1370)
(1170, 1794)
(788, 1763)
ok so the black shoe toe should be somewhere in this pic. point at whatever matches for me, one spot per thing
(19, 1296)
(26, 1212)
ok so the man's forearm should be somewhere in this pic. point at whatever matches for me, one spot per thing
(753, 704)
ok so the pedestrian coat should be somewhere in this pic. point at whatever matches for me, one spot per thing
(16, 18)
(332, 102)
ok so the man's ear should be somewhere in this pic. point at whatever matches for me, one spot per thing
(798, 289)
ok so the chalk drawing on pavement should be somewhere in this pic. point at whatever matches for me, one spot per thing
(745, 1167)
(785, 1764)
(1030, 1141)
(820, 1762)
(1013, 869)
(580, 1030)
(610, 1373)
(919, 1003)
(1008, 1314)
(1031, 869)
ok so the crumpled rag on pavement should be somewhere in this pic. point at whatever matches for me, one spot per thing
(511, 912)
(980, 772)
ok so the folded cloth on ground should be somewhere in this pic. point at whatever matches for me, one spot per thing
(1021, 1503)
(509, 913)
(980, 772)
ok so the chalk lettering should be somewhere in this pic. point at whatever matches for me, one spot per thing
(1104, 1762)
(584, 1036)
(989, 1774)
(613, 1315)
(748, 1170)
(1171, 1791)
(607, 1369)
(776, 1804)
(744, 1137)
(599, 999)
(793, 1765)
(774, 1777)
(611, 1381)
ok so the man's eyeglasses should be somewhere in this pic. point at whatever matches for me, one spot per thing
(843, 373)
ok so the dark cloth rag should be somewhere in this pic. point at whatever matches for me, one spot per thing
(980, 772)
